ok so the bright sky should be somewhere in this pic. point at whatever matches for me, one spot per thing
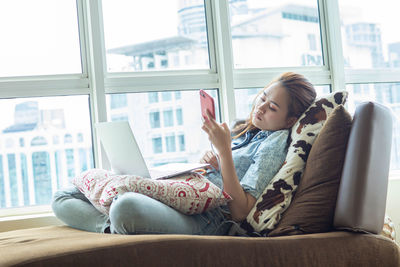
(130, 22)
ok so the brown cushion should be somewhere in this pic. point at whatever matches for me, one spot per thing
(313, 206)
(60, 246)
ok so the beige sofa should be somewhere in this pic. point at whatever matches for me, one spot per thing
(358, 220)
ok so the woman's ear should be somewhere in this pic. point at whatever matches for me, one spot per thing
(290, 122)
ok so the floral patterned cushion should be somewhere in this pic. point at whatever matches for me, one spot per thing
(189, 193)
(277, 196)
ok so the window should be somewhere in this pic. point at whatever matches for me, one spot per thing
(119, 117)
(181, 142)
(168, 118)
(155, 119)
(170, 143)
(157, 55)
(166, 96)
(370, 35)
(24, 176)
(41, 38)
(41, 177)
(155, 35)
(83, 160)
(157, 145)
(31, 174)
(179, 117)
(21, 142)
(69, 155)
(13, 178)
(79, 137)
(263, 34)
(3, 198)
(387, 94)
(151, 126)
(39, 141)
(67, 138)
(153, 97)
(118, 101)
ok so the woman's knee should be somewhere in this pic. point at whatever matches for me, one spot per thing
(130, 212)
(60, 196)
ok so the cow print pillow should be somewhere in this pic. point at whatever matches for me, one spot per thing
(277, 196)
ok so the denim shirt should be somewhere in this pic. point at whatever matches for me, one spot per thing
(257, 157)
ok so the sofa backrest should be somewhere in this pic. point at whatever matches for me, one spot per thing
(361, 200)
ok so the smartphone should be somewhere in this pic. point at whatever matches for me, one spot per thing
(207, 103)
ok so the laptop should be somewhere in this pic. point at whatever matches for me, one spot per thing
(125, 157)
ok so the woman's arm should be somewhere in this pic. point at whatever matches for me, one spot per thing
(242, 202)
(220, 137)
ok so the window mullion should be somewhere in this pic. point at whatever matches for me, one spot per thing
(331, 24)
(224, 56)
(210, 35)
(96, 67)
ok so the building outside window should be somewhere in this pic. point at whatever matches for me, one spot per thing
(181, 142)
(119, 117)
(69, 154)
(13, 179)
(155, 119)
(157, 145)
(166, 96)
(42, 177)
(118, 101)
(170, 143)
(168, 118)
(179, 116)
(152, 97)
(2, 183)
(25, 179)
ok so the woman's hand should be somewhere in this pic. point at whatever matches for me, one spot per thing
(218, 134)
(210, 158)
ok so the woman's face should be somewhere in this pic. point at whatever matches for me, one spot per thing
(271, 109)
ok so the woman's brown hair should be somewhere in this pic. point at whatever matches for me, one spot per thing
(301, 95)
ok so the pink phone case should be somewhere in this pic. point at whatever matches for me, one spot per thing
(207, 103)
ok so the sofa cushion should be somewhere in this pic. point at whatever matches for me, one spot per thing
(189, 193)
(63, 246)
(361, 201)
(313, 205)
(277, 196)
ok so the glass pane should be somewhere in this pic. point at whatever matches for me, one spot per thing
(387, 94)
(44, 143)
(166, 131)
(370, 34)
(155, 35)
(273, 33)
(39, 38)
(244, 99)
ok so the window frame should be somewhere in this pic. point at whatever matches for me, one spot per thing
(96, 82)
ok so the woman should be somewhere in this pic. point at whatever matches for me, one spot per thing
(247, 163)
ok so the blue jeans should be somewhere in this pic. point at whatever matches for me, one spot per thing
(133, 213)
